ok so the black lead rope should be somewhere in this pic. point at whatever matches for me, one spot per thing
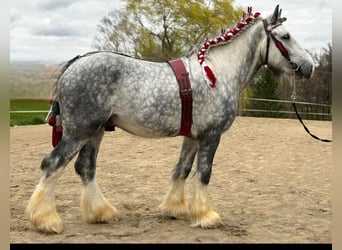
(306, 129)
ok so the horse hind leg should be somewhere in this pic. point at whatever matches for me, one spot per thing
(95, 207)
(174, 204)
(41, 208)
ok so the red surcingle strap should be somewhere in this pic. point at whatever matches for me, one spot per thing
(185, 94)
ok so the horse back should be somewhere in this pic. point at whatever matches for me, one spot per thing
(139, 96)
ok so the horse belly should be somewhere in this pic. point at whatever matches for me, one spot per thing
(151, 128)
(149, 106)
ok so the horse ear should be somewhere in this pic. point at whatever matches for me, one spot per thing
(275, 15)
(281, 19)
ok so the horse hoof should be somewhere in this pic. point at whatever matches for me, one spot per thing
(105, 214)
(177, 216)
(210, 221)
(50, 223)
(179, 212)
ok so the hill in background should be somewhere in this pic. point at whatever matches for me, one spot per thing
(30, 79)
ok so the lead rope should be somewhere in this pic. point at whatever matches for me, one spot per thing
(293, 98)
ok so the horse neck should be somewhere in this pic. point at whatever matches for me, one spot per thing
(237, 62)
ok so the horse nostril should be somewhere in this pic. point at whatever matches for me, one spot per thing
(294, 66)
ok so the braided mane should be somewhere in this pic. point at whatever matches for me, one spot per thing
(223, 38)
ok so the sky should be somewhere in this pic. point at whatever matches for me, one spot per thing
(54, 30)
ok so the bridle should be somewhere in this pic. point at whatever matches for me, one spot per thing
(268, 27)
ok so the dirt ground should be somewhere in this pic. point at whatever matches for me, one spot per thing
(271, 182)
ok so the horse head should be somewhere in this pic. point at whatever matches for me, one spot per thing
(281, 52)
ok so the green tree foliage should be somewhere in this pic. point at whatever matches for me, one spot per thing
(317, 90)
(161, 30)
(264, 86)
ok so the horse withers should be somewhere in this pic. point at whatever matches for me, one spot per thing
(104, 89)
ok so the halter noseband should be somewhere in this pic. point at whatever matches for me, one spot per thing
(268, 29)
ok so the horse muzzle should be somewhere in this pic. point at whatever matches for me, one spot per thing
(303, 70)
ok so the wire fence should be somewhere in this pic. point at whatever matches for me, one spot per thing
(284, 109)
(309, 111)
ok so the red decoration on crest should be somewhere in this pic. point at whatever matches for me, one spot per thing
(224, 37)
(210, 75)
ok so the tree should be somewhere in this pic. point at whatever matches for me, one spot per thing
(318, 89)
(161, 30)
(264, 86)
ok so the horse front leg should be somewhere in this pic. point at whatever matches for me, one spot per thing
(174, 204)
(201, 213)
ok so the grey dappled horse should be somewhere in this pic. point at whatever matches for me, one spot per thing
(142, 98)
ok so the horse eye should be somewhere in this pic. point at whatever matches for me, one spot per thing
(286, 37)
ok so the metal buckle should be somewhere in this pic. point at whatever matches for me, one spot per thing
(186, 91)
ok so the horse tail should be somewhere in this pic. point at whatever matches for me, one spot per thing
(53, 116)
(57, 75)
(60, 70)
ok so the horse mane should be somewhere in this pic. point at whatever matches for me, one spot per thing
(223, 38)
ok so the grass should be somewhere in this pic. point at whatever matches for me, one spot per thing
(28, 105)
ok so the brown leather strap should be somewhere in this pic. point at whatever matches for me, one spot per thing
(268, 29)
(185, 94)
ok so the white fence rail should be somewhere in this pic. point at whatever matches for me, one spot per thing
(28, 111)
(327, 114)
(241, 110)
